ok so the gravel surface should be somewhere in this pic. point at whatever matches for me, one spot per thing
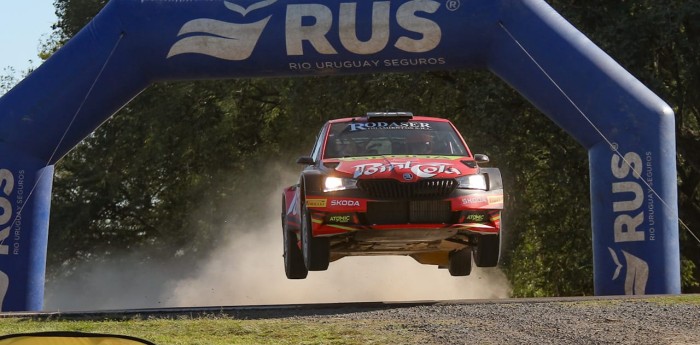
(621, 321)
(589, 320)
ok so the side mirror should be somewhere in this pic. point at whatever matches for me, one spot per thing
(306, 160)
(479, 158)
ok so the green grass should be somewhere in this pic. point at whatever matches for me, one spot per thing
(686, 299)
(676, 299)
(222, 330)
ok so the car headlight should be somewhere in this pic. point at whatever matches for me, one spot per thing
(333, 184)
(472, 182)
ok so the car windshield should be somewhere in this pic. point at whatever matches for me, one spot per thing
(357, 139)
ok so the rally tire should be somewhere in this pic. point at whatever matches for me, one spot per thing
(315, 250)
(294, 266)
(487, 251)
(460, 262)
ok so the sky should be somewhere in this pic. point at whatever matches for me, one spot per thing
(24, 24)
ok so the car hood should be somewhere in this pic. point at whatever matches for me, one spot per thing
(405, 168)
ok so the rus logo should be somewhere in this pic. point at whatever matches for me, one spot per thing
(347, 20)
(7, 185)
(237, 41)
(629, 215)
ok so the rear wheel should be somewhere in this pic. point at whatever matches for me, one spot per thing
(487, 250)
(460, 262)
(293, 259)
(316, 250)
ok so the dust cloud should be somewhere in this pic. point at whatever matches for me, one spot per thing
(247, 269)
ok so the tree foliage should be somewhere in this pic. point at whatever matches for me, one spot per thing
(658, 42)
(158, 173)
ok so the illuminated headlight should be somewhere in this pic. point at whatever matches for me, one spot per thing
(333, 184)
(472, 182)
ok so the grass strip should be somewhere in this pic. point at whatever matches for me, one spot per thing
(220, 330)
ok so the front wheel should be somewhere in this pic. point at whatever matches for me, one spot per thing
(294, 266)
(460, 262)
(316, 250)
(487, 251)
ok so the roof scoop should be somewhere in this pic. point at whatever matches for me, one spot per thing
(398, 115)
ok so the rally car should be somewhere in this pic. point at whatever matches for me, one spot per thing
(392, 184)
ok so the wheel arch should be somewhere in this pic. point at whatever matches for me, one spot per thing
(311, 182)
(493, 178)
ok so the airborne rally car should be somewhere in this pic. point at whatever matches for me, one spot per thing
(392, 184)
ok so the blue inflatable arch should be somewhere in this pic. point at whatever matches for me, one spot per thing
(628, 131)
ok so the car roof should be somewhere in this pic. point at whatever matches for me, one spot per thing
(364, 119)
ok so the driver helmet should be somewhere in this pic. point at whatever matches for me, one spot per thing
(419, 142)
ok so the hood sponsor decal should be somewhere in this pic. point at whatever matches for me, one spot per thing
(422, 170)
(385, 157)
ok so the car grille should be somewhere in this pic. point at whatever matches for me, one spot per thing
(404, 212)
(392, 189)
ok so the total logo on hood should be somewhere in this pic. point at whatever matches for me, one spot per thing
(399, 168)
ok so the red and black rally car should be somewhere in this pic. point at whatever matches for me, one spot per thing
(392, 184)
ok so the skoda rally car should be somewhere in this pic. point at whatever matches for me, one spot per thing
(392, 184)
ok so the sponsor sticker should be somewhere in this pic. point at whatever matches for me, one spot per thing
(474, 217)
(340, 219)
(475, 199)
(345, 202)
(316, 202)
(495, 199)
(363, 126)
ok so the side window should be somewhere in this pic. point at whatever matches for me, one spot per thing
(320, 139)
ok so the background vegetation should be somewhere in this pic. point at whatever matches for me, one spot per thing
(129, 184)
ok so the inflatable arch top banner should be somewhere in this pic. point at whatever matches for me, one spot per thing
(628, 131)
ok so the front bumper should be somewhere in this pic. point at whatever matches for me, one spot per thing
(464, 211)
